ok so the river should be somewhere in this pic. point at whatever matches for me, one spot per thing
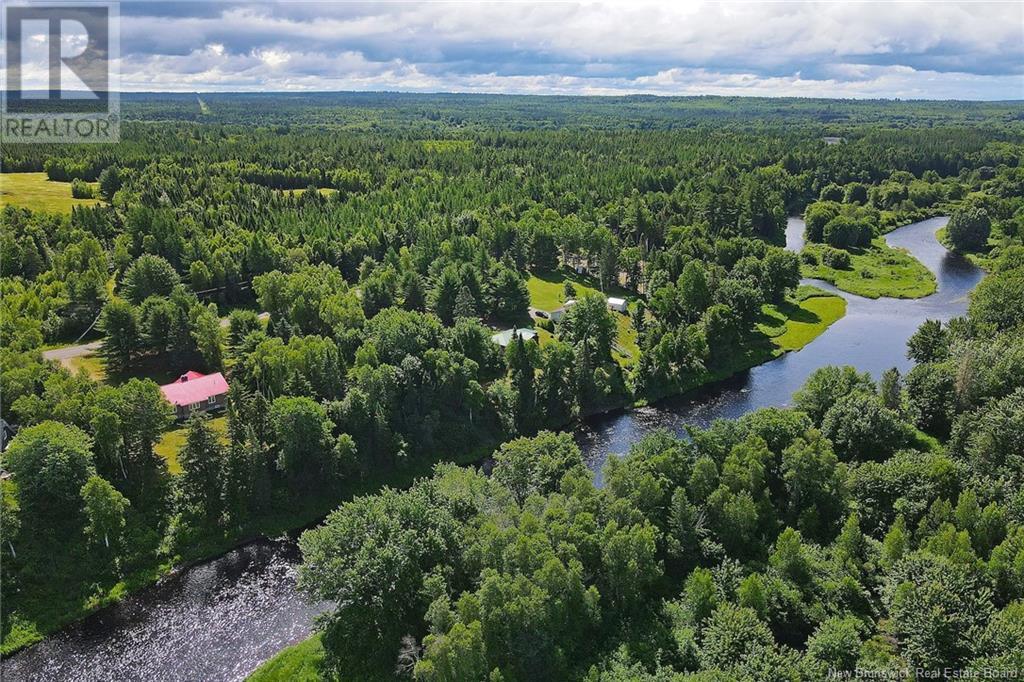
(221, 619)
(872, 337)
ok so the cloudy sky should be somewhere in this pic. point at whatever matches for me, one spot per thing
(942, 50)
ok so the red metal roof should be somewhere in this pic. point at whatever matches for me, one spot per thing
(194, 387)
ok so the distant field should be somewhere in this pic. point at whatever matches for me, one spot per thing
(35, 192)
(325, 191)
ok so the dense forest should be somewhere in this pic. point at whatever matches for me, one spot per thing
(780, 546)
(345, 261)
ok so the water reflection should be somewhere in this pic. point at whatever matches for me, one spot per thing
(216, 621)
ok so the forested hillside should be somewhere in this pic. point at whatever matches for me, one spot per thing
(345, 261)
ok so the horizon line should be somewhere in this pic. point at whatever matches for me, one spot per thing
(538, 95)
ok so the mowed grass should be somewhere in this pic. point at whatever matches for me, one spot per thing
(300, 662)
(34, 191)
(877, 271)
(92, 364)
(171, 442)
(808, 320)
(547, 292)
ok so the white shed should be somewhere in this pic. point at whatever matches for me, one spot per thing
(558, 313)
(617, 304)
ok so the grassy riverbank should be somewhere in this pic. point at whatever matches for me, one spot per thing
(804, 318)
(874, 272)
(300, 662)
(982, 258)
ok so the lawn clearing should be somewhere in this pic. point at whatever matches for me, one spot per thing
(547, 289)
(171, 442)
(547, 292)
(807, 320)
(34, 191)
(875, 272)
(625, 349)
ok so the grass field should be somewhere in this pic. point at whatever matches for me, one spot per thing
(298, 663)
(875, 272)
(171, 442)
(325, 191)
(92, 364)
(35, 192)
(794, 324)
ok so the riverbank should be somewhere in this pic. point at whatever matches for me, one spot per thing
(33, 623)
(782, 328)
(984, 259)
(300, 662)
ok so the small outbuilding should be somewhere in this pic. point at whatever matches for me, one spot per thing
(619, 305)
(194, 391)
(504, 338)
(558, 313)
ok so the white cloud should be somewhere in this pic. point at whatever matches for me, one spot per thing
(949, 50)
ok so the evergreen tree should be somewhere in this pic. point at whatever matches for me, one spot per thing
(202, 465)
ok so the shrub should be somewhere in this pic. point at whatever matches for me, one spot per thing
(809, 257)
(835, 258)
(81, 189)
(843, 231)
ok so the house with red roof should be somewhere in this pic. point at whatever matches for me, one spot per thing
(195, 391)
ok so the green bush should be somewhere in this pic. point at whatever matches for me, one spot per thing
(81, 189)
(836, 259)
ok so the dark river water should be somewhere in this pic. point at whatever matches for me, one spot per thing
(220, 620)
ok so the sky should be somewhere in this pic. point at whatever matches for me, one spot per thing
(932, 50)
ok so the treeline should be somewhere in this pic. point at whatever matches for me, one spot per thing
(788, 544)
(852, 215)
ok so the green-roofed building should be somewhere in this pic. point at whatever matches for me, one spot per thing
(504, 338)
